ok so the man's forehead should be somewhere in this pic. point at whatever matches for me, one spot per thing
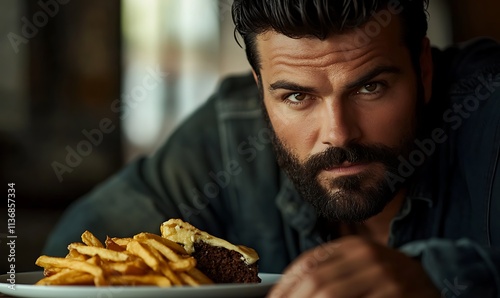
(334, 43)
(346, 41)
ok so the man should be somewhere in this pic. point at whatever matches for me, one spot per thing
(388, 154)
(343, 113)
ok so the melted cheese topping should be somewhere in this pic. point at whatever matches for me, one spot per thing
(186, 234)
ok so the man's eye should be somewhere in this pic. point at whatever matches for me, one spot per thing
(296, 97)
(370, 88)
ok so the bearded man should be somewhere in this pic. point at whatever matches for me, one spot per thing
(357, 157)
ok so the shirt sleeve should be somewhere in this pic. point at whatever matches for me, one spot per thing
(459, 268)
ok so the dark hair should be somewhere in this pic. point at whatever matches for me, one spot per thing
(321, 18)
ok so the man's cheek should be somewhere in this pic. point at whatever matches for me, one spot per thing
(280, 117)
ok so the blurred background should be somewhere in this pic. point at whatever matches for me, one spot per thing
(86, 86)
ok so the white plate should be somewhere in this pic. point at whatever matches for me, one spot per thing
(24, 288)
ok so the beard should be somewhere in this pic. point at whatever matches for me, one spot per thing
(349, 198)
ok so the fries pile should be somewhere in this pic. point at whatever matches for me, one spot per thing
(145, 259)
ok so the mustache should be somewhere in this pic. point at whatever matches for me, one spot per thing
(352, 153)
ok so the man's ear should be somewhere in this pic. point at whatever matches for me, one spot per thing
(255, 77)
(426, 68)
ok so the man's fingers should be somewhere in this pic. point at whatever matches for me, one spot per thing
(306, 264)
(329, 266)
(310, 259)
(341, 278)
(363, 283)
(356, 268)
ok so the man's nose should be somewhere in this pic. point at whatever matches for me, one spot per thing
(339, 126)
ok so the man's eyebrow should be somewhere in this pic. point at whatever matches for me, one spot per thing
(284, 84)
(287, 85)
(366, 78)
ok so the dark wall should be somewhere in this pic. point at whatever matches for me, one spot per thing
(70, 138)
(472, 18)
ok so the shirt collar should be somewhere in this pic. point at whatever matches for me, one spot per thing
(424, 182)
(298, 214)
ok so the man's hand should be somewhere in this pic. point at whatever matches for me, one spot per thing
(354, 267)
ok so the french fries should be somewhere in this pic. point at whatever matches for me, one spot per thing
(145, 259)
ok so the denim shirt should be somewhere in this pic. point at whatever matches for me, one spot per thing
(218, 171)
